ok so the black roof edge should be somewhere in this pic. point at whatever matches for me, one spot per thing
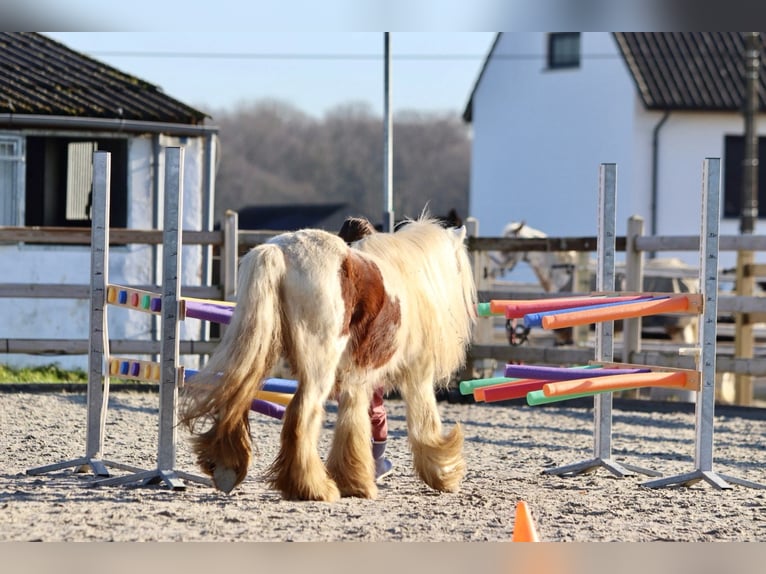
(468, 113)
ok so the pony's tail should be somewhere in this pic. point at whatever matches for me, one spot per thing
(221, 393)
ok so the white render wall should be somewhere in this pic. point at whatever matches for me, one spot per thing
(540, 135)
(128, 265)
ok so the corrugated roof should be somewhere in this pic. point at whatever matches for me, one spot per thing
(692, 71)
(43, 77)
(689, 70)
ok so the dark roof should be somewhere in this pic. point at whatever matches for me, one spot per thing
(689, 70)
(693, 71)
(287, 217)
(39, 76)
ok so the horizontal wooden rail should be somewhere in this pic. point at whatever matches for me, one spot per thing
(691, 243)
(55, 347)
(117, 236)
(55, 291)
(642, 243)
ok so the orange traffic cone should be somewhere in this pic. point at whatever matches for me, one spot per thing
(524, 529)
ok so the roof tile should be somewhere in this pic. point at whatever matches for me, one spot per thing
(41, 76)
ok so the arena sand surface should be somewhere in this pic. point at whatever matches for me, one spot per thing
(507, 448)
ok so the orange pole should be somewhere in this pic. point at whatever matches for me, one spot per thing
(517, 309)
(620, 382)
(613, 313)
(499, 306)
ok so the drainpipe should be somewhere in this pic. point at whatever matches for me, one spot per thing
(655, 176)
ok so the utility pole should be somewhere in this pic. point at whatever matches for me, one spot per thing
(388, 159)
(743, 339)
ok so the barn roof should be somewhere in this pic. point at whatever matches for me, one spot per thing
(40, 76)
(692, 71)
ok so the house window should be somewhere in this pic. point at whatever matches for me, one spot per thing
(11, 182)
(58, 181)
(734, 153)
(564, 50)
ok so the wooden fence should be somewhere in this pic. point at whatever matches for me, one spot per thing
(230, 242)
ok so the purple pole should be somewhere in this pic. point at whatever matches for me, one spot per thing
(268, 408)
(563, 373)
(213, 312)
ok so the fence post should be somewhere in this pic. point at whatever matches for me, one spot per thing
(581, 284)
(634, 279)
(230, 254)
(483, 330)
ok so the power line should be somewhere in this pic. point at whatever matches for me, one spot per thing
(327, 56)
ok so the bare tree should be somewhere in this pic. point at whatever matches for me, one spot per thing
(273, 153)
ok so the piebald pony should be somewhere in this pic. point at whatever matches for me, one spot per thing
(392, 308)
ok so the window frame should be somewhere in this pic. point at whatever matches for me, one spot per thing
(14, 198)
(45, 189)
(554, 59)
(733, 155)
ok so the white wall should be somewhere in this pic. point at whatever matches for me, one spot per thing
(129, 265)
(540, 135)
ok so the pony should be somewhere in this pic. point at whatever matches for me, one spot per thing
(553, 270)
(392, 308)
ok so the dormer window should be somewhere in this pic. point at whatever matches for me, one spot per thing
(564, 50)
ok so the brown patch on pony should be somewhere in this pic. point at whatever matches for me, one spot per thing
(372, 317)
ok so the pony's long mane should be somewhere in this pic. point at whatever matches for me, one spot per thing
(435, 286)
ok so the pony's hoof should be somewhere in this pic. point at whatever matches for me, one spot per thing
(224, 479)
(327, 492)
(366, 491)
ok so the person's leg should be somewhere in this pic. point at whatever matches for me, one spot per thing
(379, 422)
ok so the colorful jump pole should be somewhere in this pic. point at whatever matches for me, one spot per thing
(538, 377)
(566, 373)
(536, 319)
(268, 408)
(518, 309)
(214, 311)
(614, 312)
(468, 386)
(678, 379)
(505, 392)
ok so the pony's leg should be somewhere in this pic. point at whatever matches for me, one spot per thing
(350, 462)
(437, 457)
(298, 471)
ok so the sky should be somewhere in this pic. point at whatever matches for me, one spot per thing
(315, 71)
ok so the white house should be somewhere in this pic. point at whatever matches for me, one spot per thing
(548, 108)
(56, 107)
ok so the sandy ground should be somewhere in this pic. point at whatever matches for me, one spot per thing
(507, 448)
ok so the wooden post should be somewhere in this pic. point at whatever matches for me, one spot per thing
(581, 284)
(634, 278)
(230, 255)
(743, 332)
(743, 338)
(483, 331)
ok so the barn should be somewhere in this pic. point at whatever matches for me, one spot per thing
(56, 107)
